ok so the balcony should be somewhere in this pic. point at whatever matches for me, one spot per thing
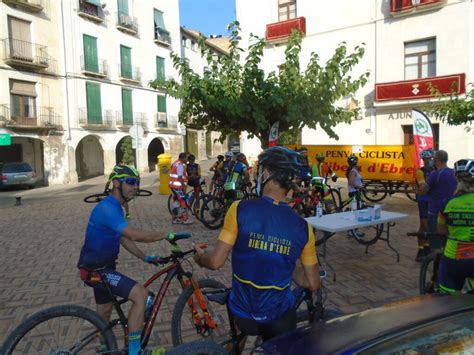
(90, 11)
(141, 119)
(127, 23)
(99, 123)
(165, 123)
(94, 67)
(25, 55)
(29, 117)
(408, 7)
(419, 88)
(162, 37)
(130, 74)
(280, 31)
(34, 6)
(123, 123)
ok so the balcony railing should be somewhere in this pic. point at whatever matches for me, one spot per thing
(94, 67)
(99, 122)
(162, 36)
(90, 11)
(127, 23)
(26, 116)
(407, 7)
(420, 88)
(123, 122)
(280, 31)
(25, 54)
(141, 119)
(130, 73)
(27, 5)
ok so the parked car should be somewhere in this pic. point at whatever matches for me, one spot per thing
(430, 324)
(17, 174)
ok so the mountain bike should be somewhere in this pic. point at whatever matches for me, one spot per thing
(377, 190)
(73, 329)
(193, 198)
(309, 308)
(428, 280)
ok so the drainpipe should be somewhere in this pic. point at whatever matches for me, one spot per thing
(69, 138)
(375, 68)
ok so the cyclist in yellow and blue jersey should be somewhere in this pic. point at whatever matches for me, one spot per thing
(271, 246)
(456, 221)
(237, 178)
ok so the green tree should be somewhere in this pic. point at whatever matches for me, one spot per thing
(234, 96)
(452, 109)
(128, 157)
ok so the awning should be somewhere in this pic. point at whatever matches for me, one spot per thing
(23, 88)
(93, 2)
(159, 22)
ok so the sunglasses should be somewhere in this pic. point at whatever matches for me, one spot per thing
(131, 181)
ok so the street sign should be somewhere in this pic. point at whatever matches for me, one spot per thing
(5, 139)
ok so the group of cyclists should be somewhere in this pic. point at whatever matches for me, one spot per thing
(271, 245)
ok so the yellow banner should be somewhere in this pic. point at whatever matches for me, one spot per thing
(376, 162)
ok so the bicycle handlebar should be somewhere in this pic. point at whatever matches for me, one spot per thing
(176, 254)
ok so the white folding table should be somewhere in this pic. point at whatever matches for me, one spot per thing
(345, 221)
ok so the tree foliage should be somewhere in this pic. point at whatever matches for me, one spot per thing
(233, 96)
(128, 157)
(451, 108)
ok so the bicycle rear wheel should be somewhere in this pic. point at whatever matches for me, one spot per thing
(68, 329)
(375, 191)
(428, 275)
(96, 197)
(212, 212)
(183, 323)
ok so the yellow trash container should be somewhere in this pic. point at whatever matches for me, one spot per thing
(164, 164)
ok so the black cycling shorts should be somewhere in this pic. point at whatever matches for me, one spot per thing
(286, 323)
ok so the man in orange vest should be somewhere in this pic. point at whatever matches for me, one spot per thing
(177, 184)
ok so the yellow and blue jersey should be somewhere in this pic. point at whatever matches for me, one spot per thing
(268, 238)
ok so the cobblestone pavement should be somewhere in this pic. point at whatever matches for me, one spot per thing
(41, 240)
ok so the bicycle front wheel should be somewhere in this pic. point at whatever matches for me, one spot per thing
(428, 275)
(189, 322)
(68, 329)
(375, 191)
(367, 235)
(212, 213)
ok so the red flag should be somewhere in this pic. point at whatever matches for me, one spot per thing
(422, 135)
(273, 136)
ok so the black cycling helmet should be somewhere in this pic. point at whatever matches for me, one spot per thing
(320, 156)
(352, 160)
(464, 169)
(122, 171)
(191, 157)
(283, 163)
(220, 157)
(241, 157)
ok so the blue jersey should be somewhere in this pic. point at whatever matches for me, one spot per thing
(105, 228)
(268, 237)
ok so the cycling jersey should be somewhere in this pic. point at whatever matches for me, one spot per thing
(322, 170)
(193, 170)
(458, 214)
(224, 167)
(442, 184)
(102, 242)
(268, 238)
(235, 176)
(357, 182)
(421, 177)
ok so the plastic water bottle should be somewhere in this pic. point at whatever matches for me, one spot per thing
(354, 204)
(149, 304)
(319, 209)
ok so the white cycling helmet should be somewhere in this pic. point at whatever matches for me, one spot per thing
(464, 168)
(427, 154)
(229, 154)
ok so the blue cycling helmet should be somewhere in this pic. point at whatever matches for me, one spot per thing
(427, 154)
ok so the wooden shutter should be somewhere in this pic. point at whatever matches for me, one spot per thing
(127, 108)
(161, 103)
(20, 39)
(126, 62)
(91, 62)
(160, 68)
(22, 88)
(94, 106)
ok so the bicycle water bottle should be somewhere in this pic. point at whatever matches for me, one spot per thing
(354, 204)
(149, 304)
(319, 209)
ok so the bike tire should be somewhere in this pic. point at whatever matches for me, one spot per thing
(371, 194)
(183, 328)
(213, 212)
(410, 191)
(170, 199)
(144, 193)
(198, 348)
(19, 341)
(198, 203)
(428, 275)
(367, 235)
(95, 198)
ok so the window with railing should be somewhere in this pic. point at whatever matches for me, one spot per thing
(286, 10)
(162, 35)
(23, 101)
(94, 103)
(127, 107)
(91, 9)
(161, 116)
(160, 68)
(420, 59)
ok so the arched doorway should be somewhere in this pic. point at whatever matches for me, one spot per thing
(119, 152)
(89, 158)
(154, 149)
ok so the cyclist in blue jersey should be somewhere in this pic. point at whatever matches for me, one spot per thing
(237, 178)
(271, 246)
(107, 230)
